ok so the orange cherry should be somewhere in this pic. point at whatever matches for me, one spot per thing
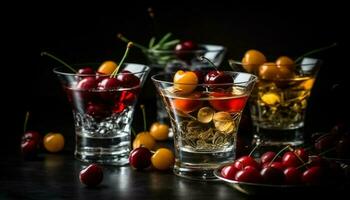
(107, 67)
(187, 104)
(185, 81)
(268, 71)
(252, 60)
(285, 61)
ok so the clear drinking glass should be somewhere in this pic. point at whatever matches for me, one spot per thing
(278, 106)
(103, 117)
(171, 61)
(204, 121)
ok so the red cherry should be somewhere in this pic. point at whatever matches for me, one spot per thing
(140, 158)
(118, 107)
(98, 111)
(271, 175)
(127, 97)
(302, 153)
(87, 83)
(200, 76)
(325, 142)
(312, 176)
(187, 45)
(128, 80)
(292, 176)
(108, 84)
(224, 101)
(91, 175)
(245, 161)
(218, 77)
(183, 50)
(249, 174)
(30, 143)
(268, 156)
(86, 70)
(289, 159)
(277, 165)
(229, 172)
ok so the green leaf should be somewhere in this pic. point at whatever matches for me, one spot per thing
(151, 42)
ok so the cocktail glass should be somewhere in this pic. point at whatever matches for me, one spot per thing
(171, 61)
(278, 106)
(204, 122)
(103, 117)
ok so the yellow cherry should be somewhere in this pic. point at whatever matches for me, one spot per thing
(163, 159)
(159, 131)
(144, 139)
(107, 67)
(53, 142)
(285, 61)
(252, 60)
(185, 81)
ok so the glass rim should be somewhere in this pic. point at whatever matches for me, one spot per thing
(251, 80)
(57, 70)
(220, 48)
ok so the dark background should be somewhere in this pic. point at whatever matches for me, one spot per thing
(87, 33)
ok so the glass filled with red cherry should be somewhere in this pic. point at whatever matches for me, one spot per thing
(103, 107)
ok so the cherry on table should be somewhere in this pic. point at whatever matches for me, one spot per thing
(140, 158)
(30, 143)
(91, 175)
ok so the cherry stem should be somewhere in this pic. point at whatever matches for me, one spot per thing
(235, 62)
(315, 51)
(144, 117)
(320, 154)
(252, 151)
(25, 122)
(279, 153)
(59, 60)
(202, 58)
(115, 72)
(292, 150)
(133, 131)
(124, 39)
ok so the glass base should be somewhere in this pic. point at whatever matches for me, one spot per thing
(201, 165)
(104, 150)
(105, 159)
(273, 137)
(194, 173)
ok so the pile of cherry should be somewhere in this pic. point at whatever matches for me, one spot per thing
(99, 95)
(294, 167)
(103, 92)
